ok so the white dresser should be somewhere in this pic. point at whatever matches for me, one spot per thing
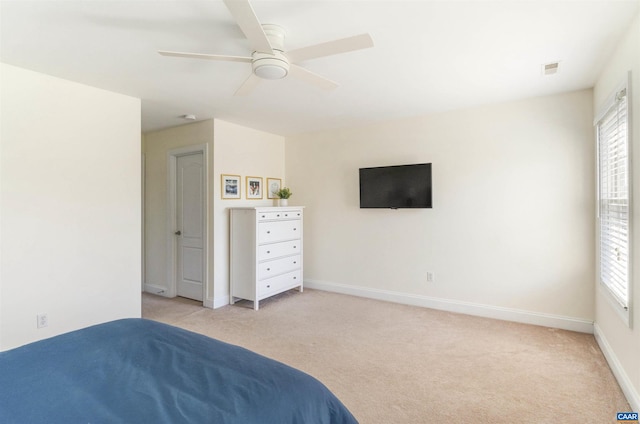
(266, 252)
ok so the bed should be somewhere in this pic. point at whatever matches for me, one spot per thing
(141, 371)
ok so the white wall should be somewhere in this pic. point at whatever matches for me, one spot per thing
(511, 231)
(232, 149)
(70, 206)
(157, 144)
(621, 343)
(246, 152)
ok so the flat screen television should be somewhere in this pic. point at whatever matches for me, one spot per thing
(395, 187)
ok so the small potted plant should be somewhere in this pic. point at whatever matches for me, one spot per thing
(283, 194)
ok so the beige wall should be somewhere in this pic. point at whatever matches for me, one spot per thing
(232, 149)
(511, 231)
(70, 206)
(623, 342)
(241, 151)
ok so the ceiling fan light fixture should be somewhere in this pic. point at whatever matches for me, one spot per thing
(270, 66)
(271, 72)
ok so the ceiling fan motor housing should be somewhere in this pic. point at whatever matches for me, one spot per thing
(271, 66)
(275, 34)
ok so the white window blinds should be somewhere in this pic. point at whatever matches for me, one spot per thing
(614, 199)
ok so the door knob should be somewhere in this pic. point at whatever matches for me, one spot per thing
(178, 233)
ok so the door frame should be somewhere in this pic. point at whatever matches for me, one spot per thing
(172, 217)
(143, 234)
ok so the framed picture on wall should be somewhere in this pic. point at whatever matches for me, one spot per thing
(231, 186)
(273, 186)
(254, 188)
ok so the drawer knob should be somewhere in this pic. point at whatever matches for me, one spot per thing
(294, 229)
(268, 269)
(286, 214)
(295, 262)
(268, 286)
(295, 247)
(268, 232)
(263, 216)
(268, 251)
(295, 278)
(278, 215)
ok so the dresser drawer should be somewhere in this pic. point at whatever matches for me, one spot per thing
(279, 215)
(279, 283)
(285, 248)
(279, 266)
(271, 232)
(270, 216)
(292, 214)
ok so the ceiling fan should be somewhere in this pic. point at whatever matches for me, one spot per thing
(269, 59)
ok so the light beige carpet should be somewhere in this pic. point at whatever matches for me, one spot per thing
(392, 363)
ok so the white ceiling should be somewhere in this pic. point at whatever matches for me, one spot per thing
(429, 56)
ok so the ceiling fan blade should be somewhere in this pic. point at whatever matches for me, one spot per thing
(312, 78)
(343, 45)
(248, 85)
(206, 56)
(248, 22)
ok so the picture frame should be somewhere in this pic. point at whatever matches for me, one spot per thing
(272, 187)
(231, 186)
(254, 188)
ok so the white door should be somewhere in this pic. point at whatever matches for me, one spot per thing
(190, 225)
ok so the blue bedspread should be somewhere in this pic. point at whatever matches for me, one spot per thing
(140, 371)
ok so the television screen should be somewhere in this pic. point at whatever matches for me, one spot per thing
(400, 186)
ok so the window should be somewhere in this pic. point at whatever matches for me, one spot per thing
(614, 199)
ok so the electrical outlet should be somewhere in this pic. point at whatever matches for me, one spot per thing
(43, 320)
(429, 277)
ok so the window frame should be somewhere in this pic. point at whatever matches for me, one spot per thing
(623, 307)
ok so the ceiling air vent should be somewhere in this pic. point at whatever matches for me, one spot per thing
(550, 68)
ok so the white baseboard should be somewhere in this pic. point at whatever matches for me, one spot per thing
(633, 397)
(487, 311)
(207, 303)
(159, 290)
